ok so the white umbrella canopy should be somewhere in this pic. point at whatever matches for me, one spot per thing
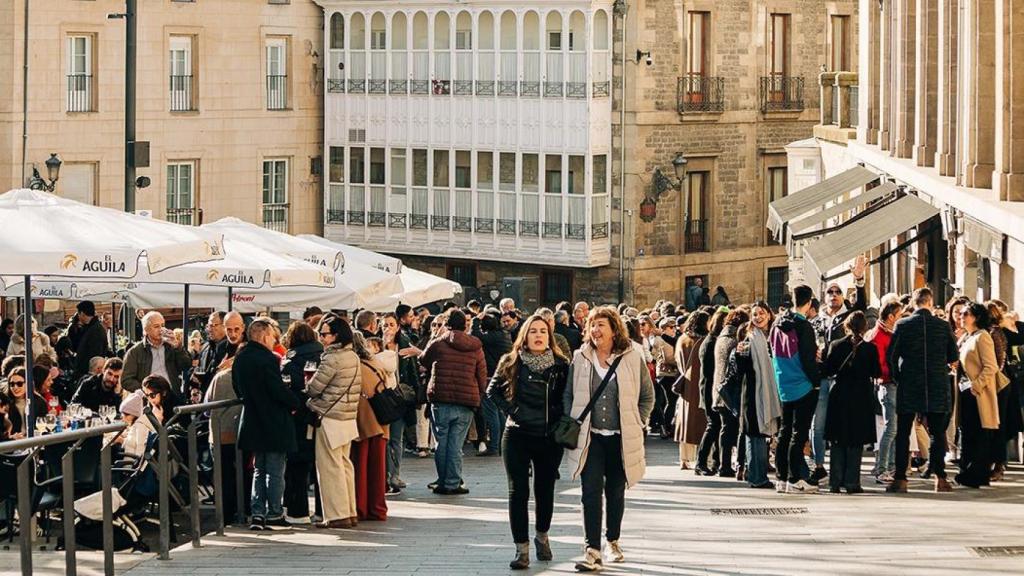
(375, 259)
(294, 246)
(45, 234)
(419, 288)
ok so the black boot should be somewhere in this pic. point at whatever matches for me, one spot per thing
(522, 559)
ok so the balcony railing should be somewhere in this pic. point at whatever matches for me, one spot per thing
(502, 88)
(80, 93)
(181, 93)
(782, 93)
(699, 93)
(185, 216)
(277, 91)
(275, 217)
(697, 236)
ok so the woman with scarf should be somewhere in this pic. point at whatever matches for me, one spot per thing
(751, 372)
(528, 385)
(851, 404)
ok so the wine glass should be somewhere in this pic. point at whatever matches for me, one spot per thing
(50, 421)
(309, 370)
(41, 425)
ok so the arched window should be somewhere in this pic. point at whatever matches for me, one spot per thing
(337, 31)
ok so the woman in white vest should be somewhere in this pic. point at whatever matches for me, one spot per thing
(610, 453)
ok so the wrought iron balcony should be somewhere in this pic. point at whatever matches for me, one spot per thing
(277, 92)
(697, 236)
(782, 93)
(185, 216)
(80, 93)
(181, 93)
(275, 217)
(699, 93)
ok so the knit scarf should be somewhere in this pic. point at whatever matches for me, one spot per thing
(766, 397)
(538, 363)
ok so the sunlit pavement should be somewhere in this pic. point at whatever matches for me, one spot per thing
(676, 523)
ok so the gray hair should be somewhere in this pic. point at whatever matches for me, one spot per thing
(96, 363)
(365, 318)
(360, 346)
(562, 317)
(545, 313)
(148, 319)
(505, 301)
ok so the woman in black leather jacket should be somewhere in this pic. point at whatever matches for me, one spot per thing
(528, 385)
(303, 348)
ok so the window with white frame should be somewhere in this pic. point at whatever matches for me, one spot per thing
(275, 194)
(181, 197)
(277, 73)
(181, 73)
(80, 73)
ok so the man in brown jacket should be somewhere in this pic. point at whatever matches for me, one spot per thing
(458, 379)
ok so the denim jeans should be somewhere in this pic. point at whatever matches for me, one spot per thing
(757, 460)
(820, 413)
(268, 485)
(395, 448)
(886, 461)
(494, 419)
(451, 424)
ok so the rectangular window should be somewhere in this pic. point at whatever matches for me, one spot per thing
(530, 169)
(181, 193)
(277, 73)
(839, 59)
(556, 286)
(181, 73)
(576, 174)
(419, 167)
(779, 32)
(441, 176)
(378, 40)
(376, 166)
(80, 74)
(462, 272)
(600, 174)
(463, 177)
(700, 36)
(697, 226)
(485, 170)
(554, 41)
(507, 171)
(336, 170)
(463, 39)
(552, 174)
(275, 194)
(778, 278)
(357, 165)
(398, 167)
(775, 189)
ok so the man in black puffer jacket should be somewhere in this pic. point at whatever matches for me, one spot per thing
(920, 354)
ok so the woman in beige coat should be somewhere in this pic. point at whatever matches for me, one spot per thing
(979, 408)
(334, 395)
(610, 451)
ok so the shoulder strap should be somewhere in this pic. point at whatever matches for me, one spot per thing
(345, 393)
(382, 380)
(600, 390)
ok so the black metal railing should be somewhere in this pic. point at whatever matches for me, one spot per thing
(398, 86)
(554, 89)
(275, 217)
(699, 93)
(507, 88)
(697, 236)
(26, 451)
(440, 222)
(484, 225)
(80, 93)
(335, 84)
(464, 87)
(181, 93)
(356, 86)
(575, 231)
(599, 231)
(782, 93)
(529, 89)
(377, 219)
(335, 216)
(602, 89)
(277, 91)
(185, 216)
(378, 87)
(576, 89)
(485, 87)
(418, 221)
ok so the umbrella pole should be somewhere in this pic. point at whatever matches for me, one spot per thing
(184, 335)
(30, 416)
(231, 298)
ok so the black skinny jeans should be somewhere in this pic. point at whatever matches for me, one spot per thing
(296, 487)
(669, 413)
(936, 423)
(709, 441)
(793, 434)
(519, 451)
(603, 474)
(728, 437)
(976, 457)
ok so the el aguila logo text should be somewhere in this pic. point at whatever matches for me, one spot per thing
(107, 265)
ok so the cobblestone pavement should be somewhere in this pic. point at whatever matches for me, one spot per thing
(675, 523)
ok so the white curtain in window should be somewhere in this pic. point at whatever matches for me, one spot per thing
(357, 198)
(485, 205)
(507, 206)
(442, 203)
(463, 203)
(531, 208)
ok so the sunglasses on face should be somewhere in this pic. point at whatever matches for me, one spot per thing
(16, 383)
(836, 292)
(152, 395)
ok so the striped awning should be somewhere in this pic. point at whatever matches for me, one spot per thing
(835, 248)
(814, 197)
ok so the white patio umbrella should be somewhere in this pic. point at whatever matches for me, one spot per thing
(279, 242)
(375, 259)
(44, 234)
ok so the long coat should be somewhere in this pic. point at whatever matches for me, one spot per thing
(919, 355)
(851, 400)
(688, 360)
(978, 358)
(266, 423)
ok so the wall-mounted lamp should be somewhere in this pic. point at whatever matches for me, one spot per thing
(645, 56)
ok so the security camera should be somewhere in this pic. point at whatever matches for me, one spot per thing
(645, 56)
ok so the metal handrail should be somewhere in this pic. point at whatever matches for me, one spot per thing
(166, 451)
(32, 445)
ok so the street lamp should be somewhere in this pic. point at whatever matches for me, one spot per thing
(52, 173)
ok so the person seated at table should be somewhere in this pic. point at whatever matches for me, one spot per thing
(5, 422)
(42, 376)
(136, 435)
(161, 398)
(14, 389)
(103, 389)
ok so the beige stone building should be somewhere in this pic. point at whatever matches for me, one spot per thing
(229, 96)
(934, 122)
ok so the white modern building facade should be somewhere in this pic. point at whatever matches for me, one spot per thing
(473, 130)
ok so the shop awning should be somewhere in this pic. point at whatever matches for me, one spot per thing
(833, 249)
(812, 198)
(986, 241)
(806, 223)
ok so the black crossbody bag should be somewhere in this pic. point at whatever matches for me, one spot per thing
(566, 432)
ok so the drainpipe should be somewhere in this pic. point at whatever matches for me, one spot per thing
(620, 9)
(24, 99)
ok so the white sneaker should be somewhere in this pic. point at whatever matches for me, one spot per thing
(482, 447)
(801, 487)
(780, 486)
(591, 561)
(615, 551)
(297, 520)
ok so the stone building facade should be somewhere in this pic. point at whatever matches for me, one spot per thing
(228, 97)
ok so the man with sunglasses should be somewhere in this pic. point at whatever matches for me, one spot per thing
(213, 352)
(828, 327)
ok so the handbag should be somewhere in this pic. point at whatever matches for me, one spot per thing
(1002, 381)
(388, 404)
(566, 432)
(317, 419)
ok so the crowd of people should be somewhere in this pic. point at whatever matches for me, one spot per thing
(332, 403)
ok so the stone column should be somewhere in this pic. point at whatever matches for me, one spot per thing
(870, 67)
(1008, 177)
(945, 143)
(885, 27)
(905, 64)
(978, 100)
(925, 82)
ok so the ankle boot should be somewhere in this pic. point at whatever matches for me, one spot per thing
(522, 559)
(543, 547)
